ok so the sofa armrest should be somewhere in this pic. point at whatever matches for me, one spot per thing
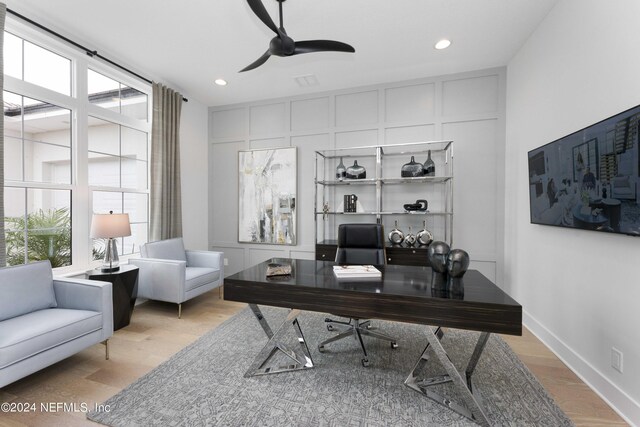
(161, 279)
(93, 295)
(207, 259)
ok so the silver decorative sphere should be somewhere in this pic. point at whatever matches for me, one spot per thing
(437, 255)
(457, 262)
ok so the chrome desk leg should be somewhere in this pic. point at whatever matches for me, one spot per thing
(273, 346)
(470, 406)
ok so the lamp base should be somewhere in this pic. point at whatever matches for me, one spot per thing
(111, 261)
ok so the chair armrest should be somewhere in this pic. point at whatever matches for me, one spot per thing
(161, 279)
(90, 295)
(208, 259)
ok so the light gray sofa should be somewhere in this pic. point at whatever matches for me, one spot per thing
(44, 320)
(170, 273)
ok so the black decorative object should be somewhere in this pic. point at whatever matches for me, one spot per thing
(341, 171)
(437, 255)
(350, 203)
(396, 236)
(410, 238)
(420, 206)
(412, 169)
(356, 171)
(429, 166)
(424, 236)
(283, 45)
(457, 263)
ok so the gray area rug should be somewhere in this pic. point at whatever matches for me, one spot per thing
(203, 384)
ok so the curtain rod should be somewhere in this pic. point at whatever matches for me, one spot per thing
(91, 53)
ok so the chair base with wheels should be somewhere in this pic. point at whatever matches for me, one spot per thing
(355, 328)
(359, 244)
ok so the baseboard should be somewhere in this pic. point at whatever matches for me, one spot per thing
(619, 401)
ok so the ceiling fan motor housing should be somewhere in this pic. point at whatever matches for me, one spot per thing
(282, 46)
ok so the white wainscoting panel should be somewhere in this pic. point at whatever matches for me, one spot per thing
(475, 184)
(256, 256)
(307, 145)
(471, 96)
(406, 104)
(310, 114)
(261, 144)
(360, 108)
(357, 138)
(223, 191)
(235, 259)
(268, 119)
(404, 134)
(228, 123)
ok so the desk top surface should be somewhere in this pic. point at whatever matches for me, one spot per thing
(403, 294)
(399, 280)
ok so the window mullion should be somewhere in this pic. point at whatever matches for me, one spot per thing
(81, 197)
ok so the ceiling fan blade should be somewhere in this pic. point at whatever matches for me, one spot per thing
(309, 46)
(261, 12)
(258, 62)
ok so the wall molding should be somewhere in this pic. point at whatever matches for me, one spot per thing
(617, 399)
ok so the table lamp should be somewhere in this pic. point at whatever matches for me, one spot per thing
(110, 226)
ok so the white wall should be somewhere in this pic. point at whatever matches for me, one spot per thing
(579, 289)
(468, 108)
(194, 178)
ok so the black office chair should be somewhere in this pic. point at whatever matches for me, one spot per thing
(359, 244)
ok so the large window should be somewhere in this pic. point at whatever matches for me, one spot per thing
(73, 147)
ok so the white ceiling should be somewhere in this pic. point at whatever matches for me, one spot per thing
(188, 44)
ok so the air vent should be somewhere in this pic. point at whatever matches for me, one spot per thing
(306, 80)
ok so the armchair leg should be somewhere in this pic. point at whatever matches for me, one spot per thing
(219, 292)
(179, 311)
(106, 349)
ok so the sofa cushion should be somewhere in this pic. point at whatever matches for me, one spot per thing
(198, 276)
(166, 249)
(26, 288)
(27, 335)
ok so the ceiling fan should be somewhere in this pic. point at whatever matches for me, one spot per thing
(283, 45)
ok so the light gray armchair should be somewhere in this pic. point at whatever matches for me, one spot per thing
(44, 320)
(170, 273)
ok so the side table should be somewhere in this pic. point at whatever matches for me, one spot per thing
(125, 291)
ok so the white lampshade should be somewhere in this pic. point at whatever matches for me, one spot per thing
(106, 226)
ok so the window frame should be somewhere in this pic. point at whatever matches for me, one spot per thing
(80, 107)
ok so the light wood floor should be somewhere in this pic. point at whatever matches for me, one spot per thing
(155, 334)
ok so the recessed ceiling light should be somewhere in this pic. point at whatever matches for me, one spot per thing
(442, 44)
(221, 82)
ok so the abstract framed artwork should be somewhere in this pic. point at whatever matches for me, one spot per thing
(267, 191)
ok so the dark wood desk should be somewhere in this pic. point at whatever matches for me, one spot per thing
(403, 294)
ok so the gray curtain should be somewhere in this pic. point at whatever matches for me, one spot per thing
(166, 207)
(3, 246)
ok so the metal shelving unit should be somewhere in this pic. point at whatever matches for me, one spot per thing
(384, 191)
